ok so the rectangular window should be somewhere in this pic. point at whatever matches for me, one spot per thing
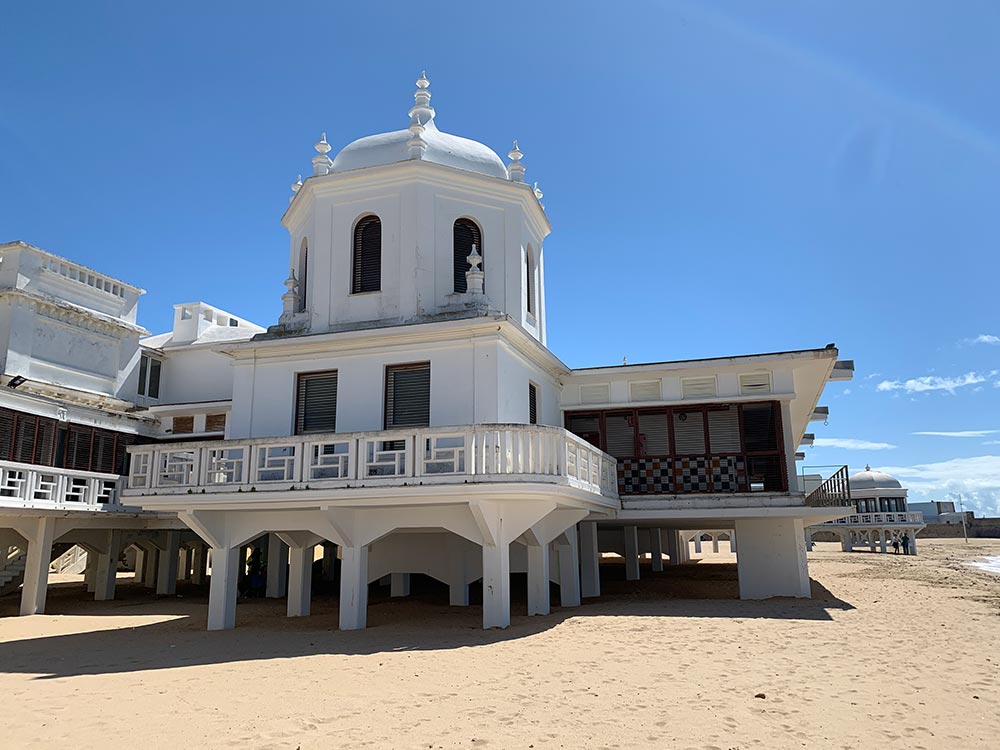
(654, 434)
(149, 376)
(532, 404)
(619, 433)
(182, 425)
(315, 402)
(215, 423)
(595, 394)
(754, 383)
(408, 395)
(724, 430)
(698, 387)
(689, 432)
(648, 390)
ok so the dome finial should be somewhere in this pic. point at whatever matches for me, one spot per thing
(321, 162)
(474, 277)
(868, 467)
(422, 109)
(515, 169)
(296, 186)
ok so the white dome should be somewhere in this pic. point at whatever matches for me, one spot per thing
(869, 479)
(442, 148)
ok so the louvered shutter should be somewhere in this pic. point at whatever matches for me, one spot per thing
(619, 435)
(104, 452)
(698, 387)
(755, 382)
(367, 266)
(182, 425)
(6, 433)
(215, 423)
(408, 395)
(587, 427)
(760, 427)
(316, 403)
(724, 430)
(595, 394)
(121, 455)
(45, 441)
(466, 234)
(78, 445)
(532, 404)
(689, 432)
(143, 372)
(24, 438)
(654, 434)
(648, 390)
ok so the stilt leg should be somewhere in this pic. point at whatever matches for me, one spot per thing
(590, 560)
(631, 553)
(222, 593)
(300, 580)
(354, 588)
(538, 579)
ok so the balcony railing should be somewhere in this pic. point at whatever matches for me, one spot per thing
(30, 486)
(835, 491)
(880, 519)
(440, 455)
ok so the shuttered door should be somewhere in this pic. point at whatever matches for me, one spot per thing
(6, 434)
(45, 442)
(532, 404)
(724, 430)
(466, 235)
(654, 435)
(121, 455)
(620, 435)
(760, 427)
(24, 438)
(104, 452)
(78, 447)
(408, 395)
(689, 432)
(367, 266)
(316, 403)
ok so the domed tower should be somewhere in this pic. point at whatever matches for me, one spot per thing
(412, 226)
(877, 492)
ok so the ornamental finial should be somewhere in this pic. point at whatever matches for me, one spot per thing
(422, 109)
(516, 169)
(474, 277)
(322, 164)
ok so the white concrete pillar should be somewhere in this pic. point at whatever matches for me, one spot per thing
(697, 542)
(715, 543)
(166, 581)
(299, 581)
(36, 568)
(732, 541)
(496, 585)
(913, 542)
(849, 541)
(809, 541)
(458, 588)
(140, 564)
(772, 558)
(656, 549)
(277, 567)
(631, 553)
(222, 592)
(329, 561)
(199, 563)
(353, 587)
(882, 547)
(590, 560)
(107, 567)
(672, 549)
(399, 584)
(569, 570)
(538, 579)
(150, 567)
(90, 571)
(683, 548)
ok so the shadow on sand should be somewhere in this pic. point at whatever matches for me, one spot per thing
(421, 622)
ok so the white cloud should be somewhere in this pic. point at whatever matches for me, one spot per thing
(960, 433)
(985, 338)
(977, 479)
(847, 391)
(933, 383)
(852, 444)
(991, 442)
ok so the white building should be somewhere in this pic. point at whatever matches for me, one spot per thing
(407, 409)
(881, 515)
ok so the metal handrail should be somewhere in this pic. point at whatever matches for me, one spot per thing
(834, 492)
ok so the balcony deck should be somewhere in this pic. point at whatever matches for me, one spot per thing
(386, 460)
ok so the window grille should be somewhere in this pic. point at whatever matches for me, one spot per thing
(408, 395)
(315, 402)
(532, 404)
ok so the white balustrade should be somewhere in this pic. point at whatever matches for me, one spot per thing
(499, 453)
(880, 519)
(30, 486)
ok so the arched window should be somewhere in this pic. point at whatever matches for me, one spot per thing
(529, 278)
(303, 273)
(366, 269)
(466, 234)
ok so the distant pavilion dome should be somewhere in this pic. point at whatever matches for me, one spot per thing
(422, 140)
(869, 479)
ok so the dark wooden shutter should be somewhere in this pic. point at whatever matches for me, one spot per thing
(24, 438)
(654, 434)
(215, 423)
(466, 234)
(154, 378)
(79, 442)
(689, 432)
(104, 452)
(619, 435)
(532, 404)
(6, 434)
(586, 427)
(366, 272)
(182, 425)
(529, 286)
(316, 402)
(408, 395)
(45, 441)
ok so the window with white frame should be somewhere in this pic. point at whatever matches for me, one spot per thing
(149, 376)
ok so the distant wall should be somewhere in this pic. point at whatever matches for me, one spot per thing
(978, 527)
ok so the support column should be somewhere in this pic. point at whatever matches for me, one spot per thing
(399, 584)
(913, 543)
(656, 549)
(150, 567)
(697, 542)
(140, 564)
(772, 558)
(329, 561)
(277, 567)
(90, 571)
(882, 546)
(222, 592)
(166, 583)
(683, 548)
(107, 568)
(183, 564)
(732, 541)
(715, 543)
(458, 589)
(353, 587)
(809, 540)
(538, 579)
(496, 585)
(631, 553)
(36, 567)
(590, 560)
(299, 579)
(569, 570)
(199, 563)
(672, 548)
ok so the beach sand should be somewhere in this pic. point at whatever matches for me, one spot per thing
(892, 652)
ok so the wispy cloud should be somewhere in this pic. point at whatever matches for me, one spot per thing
(852, 444)
(960, 433)
(985, 338)
(934, 383)
(991, 442)
(977, 479)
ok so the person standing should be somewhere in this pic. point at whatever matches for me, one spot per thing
(906, 543)
(895, 544)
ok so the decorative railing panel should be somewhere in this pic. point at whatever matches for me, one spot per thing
(880, 519)
(30, 486)
(835, 491)
(477, 453)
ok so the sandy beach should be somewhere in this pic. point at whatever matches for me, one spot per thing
(892, 652)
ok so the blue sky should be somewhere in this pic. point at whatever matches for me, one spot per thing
(722, 178)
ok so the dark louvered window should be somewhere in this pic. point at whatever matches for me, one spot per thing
(466, 234)
(182, 425)
(103, 459)
(724, 429)
(303, 274)
(7, 418)
(79, 442)
(149, 376)
(408, 395)
(215, 423)
(316, 402)
(532, 404)
(366, 270)
(529, 279)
